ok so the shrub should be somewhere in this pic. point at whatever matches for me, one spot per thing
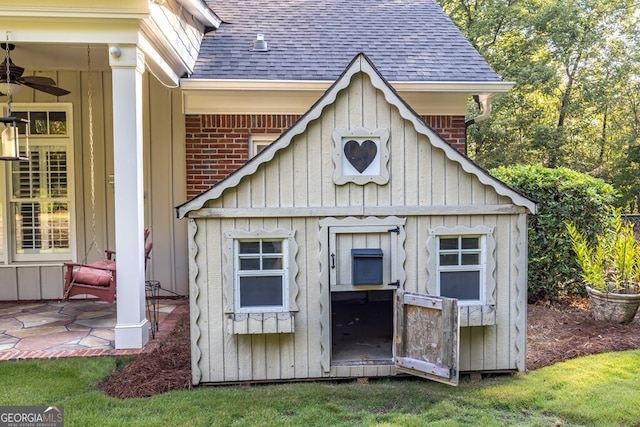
(563, 195)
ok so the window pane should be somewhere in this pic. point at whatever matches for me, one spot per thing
(470, 259)
(39, 123)
(57, 123)
(249, 263)
(449, 243)
(271, 247)
(470, 243)
(463, 285)
(261, 291)
(41, 227)
(449, 259)
(249, 247)
(269, 263)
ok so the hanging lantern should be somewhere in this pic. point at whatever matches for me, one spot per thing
(15, 146)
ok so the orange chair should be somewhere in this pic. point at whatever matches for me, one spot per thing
(98, 278)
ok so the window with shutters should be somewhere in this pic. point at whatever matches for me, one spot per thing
(36, 209)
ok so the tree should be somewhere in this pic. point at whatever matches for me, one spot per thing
(575, 102)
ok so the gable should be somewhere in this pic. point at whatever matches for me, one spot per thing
(299, 169)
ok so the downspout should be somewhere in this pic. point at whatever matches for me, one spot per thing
(484, 102)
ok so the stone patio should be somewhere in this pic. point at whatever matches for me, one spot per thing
(46, 330)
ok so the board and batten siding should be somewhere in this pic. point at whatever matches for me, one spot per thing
(294, 190)
(164, 183)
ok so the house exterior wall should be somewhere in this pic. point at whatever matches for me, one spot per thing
(164, 185)
(295, 191)
(217, 144)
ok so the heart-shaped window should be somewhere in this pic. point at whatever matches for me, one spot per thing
(360, 155)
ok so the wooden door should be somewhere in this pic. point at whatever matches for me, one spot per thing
(427, 337)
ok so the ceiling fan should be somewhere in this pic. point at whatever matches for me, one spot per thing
(41, 83)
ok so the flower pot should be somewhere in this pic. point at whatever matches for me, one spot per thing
(613, 307)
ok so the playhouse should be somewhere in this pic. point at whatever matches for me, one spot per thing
(358, 244)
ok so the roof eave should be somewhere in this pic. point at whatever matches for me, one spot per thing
(322, 85)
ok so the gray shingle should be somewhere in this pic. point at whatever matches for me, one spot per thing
(408, 40)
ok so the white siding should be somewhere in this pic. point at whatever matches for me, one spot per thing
(165, 183)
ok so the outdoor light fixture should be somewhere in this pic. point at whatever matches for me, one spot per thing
(13, 145)
(260, 44)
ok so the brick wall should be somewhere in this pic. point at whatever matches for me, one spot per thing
(217, 145)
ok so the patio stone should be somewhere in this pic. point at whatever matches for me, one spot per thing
(18, 308)
(94, 342)
(9, 323)
(34, 332)
(102, 322)
(42, 319)
(64, 328)
(105, 334)
(94, 314)
(49, 341)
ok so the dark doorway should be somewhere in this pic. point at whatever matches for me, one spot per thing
(362, 327)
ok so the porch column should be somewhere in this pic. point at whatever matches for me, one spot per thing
(127, 66)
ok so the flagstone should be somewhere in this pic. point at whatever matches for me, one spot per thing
(34, 332)
(106, 334)
(42, 319)
(49, 341)
(102, 322)
(19, 308)
(94, 314)
(94, 342)
(9, 323)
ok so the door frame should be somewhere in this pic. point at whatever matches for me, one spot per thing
(351, 223)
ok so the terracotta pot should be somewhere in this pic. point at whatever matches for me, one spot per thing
(613, 307)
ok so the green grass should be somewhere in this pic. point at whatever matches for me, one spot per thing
(600, 390)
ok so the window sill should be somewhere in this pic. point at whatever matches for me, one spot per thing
(260, 323)
(477, 315)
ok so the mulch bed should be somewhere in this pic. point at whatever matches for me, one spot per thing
(562, 332)
(555, 333)
(166, 368)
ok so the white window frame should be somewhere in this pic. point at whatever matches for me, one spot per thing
(472, 313)
(459, 251)
(259, 141)
(230, 283)
(282, 272)
(8, 250)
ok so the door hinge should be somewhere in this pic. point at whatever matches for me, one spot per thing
(394, 284)
(395, 230)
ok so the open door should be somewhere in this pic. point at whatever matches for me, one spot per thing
(427, 337)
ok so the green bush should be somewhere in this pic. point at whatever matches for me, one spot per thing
(563, 195)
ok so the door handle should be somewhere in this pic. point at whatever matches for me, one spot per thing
(333, 261)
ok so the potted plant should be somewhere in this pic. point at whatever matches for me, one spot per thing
(610, 269)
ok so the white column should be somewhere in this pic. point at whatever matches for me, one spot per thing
(127, 66)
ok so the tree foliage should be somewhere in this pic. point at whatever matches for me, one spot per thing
(576, 99)
(563, 196)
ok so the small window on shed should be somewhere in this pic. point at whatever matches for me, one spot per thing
(461, 262)
(259, 286)
(261, 275)
(460, 268)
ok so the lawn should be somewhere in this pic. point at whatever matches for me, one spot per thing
(594, 390)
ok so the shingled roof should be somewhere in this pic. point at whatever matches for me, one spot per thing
(409, 40)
